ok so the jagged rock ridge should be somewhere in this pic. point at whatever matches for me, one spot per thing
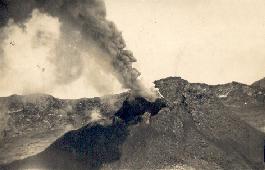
(202, 127)
(259, 83)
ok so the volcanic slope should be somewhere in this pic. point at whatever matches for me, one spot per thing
(259, 83)
(201, 128)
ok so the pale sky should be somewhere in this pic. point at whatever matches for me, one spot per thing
(210, 41)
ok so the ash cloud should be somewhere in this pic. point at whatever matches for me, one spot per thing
(85, 35)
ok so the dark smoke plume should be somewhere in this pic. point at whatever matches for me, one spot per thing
(88, 17)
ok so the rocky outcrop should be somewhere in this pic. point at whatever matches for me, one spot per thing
(259, 83)
(202, 127)
(246, 102)
(29, 124)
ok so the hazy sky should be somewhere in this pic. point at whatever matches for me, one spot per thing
(200, 40)
(210, 41)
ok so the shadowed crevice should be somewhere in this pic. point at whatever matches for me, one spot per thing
(91, 146)
(85, 148)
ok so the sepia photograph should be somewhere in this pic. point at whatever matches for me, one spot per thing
(132, 84)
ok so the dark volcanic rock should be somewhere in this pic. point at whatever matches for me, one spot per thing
(202, 127)
(218, 136)
(86, 148)
(135, 108)
(247, 102)
(29, 124)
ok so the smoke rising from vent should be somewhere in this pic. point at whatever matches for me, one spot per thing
(82, 42)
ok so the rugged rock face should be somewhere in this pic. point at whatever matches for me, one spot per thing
(247, 102)
(29, 124)
(260, 83)
(202, 127)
